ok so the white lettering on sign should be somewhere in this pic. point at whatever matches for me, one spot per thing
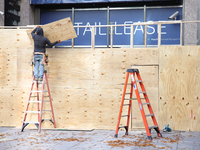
(87, 28)
(138, 29)
(151, 28)
(77, 24)
(127, 29)
(100, 30)
(116, 30)
(161, 30)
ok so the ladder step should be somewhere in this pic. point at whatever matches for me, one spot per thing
(152, 127)
(35, 91)
(34, 96)
(46, 119)
(124, 115)
(133, 98)
(46, 100)
(38, 91)
(127, 93)
(138, 80)
(142, 92)
(31, 122)
(126, 104)
(34, 101)
(145, 103)
(32, 111)
(130, 99)
(149, 115)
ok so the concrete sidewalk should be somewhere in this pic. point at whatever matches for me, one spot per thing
(13, 139)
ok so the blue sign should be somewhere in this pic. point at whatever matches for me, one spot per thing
(121, 35)
(170, 33)
(91, 18)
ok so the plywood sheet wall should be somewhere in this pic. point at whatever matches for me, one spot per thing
(179, 87)
(86, 84)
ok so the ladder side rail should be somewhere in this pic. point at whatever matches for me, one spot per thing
(129, 108)
(141, 108)
(41, 106)
(147, 100)
(28, 102)
(38, 105)
(54, 122)
(122, 102)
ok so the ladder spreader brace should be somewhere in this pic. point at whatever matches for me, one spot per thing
(39, 103)
(133, 73)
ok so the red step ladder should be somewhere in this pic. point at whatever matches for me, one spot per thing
(134, 82)
(39, 101)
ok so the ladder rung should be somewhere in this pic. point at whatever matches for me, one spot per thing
(138, 80)
(32, 111)
(35, 101)
(46, 110)
(46, 100)
(124, 115)
(35, 91)
(130, 99)
(153, 127)
(145, 103)
(34, 96)
(133, 98)
(127, 93)
(31, 122)
(123, 127)
(46, 119)
(142, 92)
(38, 91)
(126, 104)
(149, 115)
(40, 82)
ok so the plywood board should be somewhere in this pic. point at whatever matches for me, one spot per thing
(58, 30)
(179, 86)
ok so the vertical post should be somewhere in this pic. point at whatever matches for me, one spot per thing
(108, 29)
(132, 36)
(73, 20)
(145, 36)
(159, 34)
(93, 37)
(145, 20)
(181, 34)
(111, 36)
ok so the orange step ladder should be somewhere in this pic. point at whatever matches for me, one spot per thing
(133, 73)
(39, 102)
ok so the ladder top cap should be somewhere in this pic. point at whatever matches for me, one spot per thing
(132, 70)
(45, 71)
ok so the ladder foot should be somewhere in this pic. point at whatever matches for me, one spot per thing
(116, 135)
(159, 135)
(149, 137)
(126, 133)
(37, 125)
(24, 127)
